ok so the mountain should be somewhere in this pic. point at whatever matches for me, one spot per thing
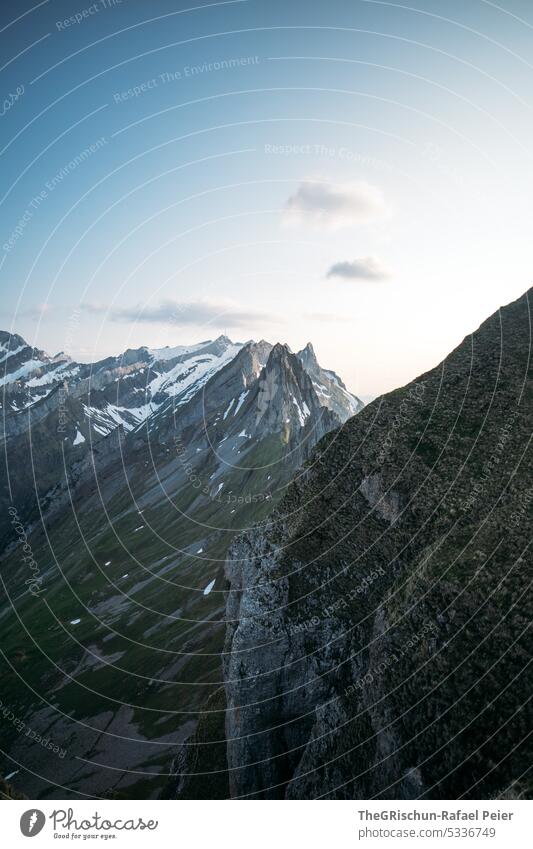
(117, 390)
(57, 412)
(378, 635)
(328, 386)
(129, 478)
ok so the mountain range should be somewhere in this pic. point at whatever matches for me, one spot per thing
(378, 638)
(60, 417)
(225, 579)
(125, 482)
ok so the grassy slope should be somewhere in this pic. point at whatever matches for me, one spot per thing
(153, 624)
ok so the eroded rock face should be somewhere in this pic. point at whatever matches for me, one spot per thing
(378, 641)
(291, 682)
(386, 503)
(251, 636)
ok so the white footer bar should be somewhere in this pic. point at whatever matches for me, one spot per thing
(260, 824)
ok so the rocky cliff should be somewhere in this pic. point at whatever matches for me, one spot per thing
(124, 483)
(378, 627)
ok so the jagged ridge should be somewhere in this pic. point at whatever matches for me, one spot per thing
(377, 641)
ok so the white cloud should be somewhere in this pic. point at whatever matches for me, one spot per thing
(331, 206)
(365, 268)
(185, 313)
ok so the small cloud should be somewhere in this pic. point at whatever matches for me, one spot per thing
(366, 268)
(175, 313)
(332, 206)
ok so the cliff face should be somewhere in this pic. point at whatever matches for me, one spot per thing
(378, 635)
(126, 483)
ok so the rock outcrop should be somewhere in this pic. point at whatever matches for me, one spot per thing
(378, 627)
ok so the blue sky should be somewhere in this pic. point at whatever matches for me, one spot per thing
(352, 173)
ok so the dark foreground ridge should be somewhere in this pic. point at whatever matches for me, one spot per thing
(379, 637)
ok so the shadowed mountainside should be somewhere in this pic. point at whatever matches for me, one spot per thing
(378, 640)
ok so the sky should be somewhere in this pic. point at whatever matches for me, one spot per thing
(353, 173)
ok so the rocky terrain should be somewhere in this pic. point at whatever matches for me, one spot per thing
(124, 483)
(61, 420)
(378, 640)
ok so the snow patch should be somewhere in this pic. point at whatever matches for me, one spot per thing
(184, 379)
(21, 372)
(229, 408)
(11, 353)
(79, 438)
(11, 774)
(60, 372)
(240, 402)
(209, 587)
(304, 413)
(162, 354)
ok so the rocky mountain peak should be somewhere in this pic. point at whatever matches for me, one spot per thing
(220, 344)
(307, 355)
(286, 366)
(10, 341)
(254, 356)
(279, 352)
(329, 387)
(223, 340)
(283, 399)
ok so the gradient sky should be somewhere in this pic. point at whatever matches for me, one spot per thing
(362, 179)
